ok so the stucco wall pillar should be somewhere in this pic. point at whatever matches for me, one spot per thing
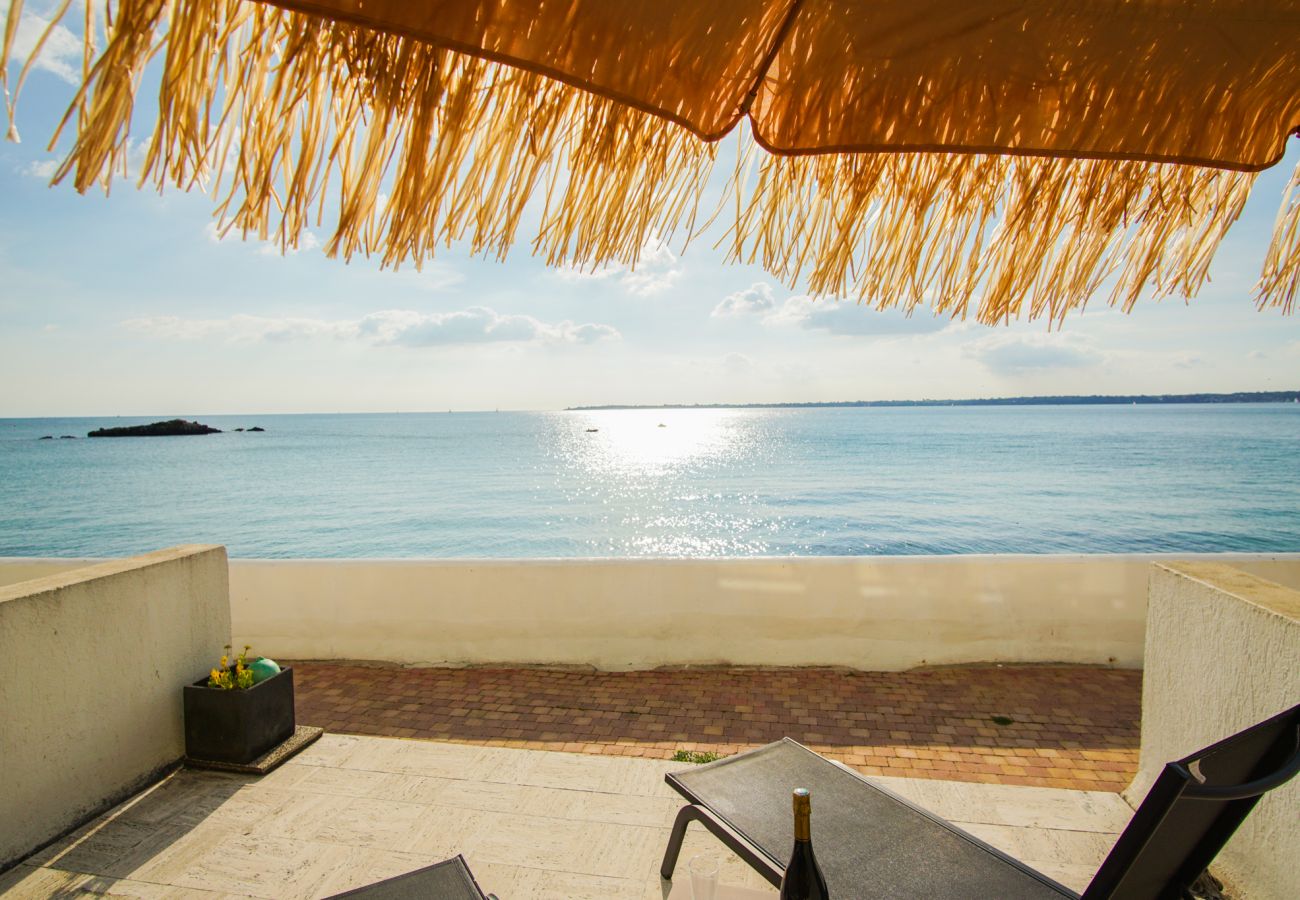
(92, 662)
(1222, 653)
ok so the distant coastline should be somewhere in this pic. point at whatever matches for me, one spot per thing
(1064, 400)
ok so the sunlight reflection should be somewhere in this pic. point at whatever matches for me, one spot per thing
(653, 441)
(661, 482)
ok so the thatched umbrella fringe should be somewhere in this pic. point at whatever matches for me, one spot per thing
(426, 146)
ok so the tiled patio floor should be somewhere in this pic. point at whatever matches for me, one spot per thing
(533, 825)
(1070, 726)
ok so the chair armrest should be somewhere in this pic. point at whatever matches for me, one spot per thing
(1285, 773)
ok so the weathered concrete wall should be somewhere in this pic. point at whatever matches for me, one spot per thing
(868, 613)
(1222, 653)
(865, 612)
(92, 661)
(627, 614)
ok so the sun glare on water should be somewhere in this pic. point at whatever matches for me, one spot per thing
(651, 442)
(660, 482)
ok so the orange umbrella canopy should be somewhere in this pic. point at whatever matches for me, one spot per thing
(1210, 83)
(991, 156)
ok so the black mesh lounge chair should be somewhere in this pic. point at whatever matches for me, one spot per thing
(450, 879)
(873, 843)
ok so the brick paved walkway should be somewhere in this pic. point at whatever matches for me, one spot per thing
(1069, 726)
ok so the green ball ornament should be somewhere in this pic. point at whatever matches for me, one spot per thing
(263, 668)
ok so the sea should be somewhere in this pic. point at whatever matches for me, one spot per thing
(665, 483)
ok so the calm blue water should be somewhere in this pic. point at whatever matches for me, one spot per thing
(710, 483)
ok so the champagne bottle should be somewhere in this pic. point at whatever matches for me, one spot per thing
(803, 878)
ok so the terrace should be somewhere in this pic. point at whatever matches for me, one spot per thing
(353, 810)
(550, 778)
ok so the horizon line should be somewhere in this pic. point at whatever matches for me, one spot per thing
(1022, 400)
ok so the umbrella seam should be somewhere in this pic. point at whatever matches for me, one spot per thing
(768, 58)
(978, 150)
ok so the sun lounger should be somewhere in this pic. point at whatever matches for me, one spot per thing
(450, 879)
(873, 843)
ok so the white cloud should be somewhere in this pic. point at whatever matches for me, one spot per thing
(43, 169)
(136, 153)
(844, 317)
(827, 314)
(737, 364)
(238, 328)
(757, 298)
(572, 274)
(1188, 361)
(61, 55)
(588, 333)
(795, 312)
(394, 327)
(306, 241)
(477, 324)
(656, 271)
(1257, 354)
(1016, 354)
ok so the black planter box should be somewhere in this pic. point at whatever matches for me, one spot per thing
(237, 726)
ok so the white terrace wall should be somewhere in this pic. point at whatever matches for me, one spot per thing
(878, 613)
(1223, 652)
(864, 612)
(92, 661)
(867, 612)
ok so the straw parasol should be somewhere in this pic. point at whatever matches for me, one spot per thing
(989, 157)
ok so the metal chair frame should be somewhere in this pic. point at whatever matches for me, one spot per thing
(1181, 825)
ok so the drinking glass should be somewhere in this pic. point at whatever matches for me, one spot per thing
(704, 877)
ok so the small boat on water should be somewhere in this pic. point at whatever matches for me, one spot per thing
(591, 430)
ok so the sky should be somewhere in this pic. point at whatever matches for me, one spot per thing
(131, 304)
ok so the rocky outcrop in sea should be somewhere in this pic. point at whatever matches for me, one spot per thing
(156, 429)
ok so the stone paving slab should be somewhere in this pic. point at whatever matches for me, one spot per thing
(1072, 727)
(533, 825)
